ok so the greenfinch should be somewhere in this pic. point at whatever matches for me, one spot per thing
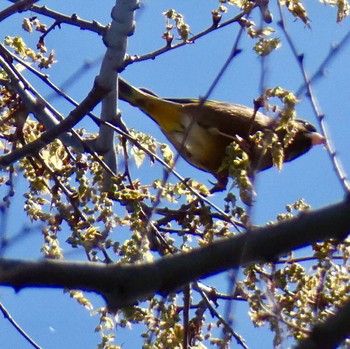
(202, 131)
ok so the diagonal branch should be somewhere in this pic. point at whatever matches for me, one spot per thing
(18, 6)
(105, 83)
(167, 48)
(59, 18)
(89, 103)
(8, 316)
(342, 176)
(34, 103)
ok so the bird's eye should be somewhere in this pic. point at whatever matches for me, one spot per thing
(307, 125)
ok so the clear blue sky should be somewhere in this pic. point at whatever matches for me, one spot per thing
(56, 321)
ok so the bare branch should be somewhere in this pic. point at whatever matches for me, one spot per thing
(34, 103)
(73, 20)
(167, 48)
(18, 6)
(93, 98)
(123, 285)
(319, 115)
(8, 316)
(115, 39)
(227, 326)
(105, 83)
(320, 72)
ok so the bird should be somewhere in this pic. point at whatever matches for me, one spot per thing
(201, 131)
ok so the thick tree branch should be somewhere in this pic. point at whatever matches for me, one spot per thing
(115, 39)
(122, 285)
(18, 6)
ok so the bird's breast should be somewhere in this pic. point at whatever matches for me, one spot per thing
(198, 145)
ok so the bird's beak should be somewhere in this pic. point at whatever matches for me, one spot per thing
(317, 138)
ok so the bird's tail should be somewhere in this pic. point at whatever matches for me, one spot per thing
(165, 113)
(128, 93)
(138, 97)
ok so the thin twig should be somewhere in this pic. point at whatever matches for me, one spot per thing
(167, 48)
(332, 54)
(8, 316)
(33, 101)
(240, 340)
(304, 259)
(229, 308)
(319, 115)
(73, 19)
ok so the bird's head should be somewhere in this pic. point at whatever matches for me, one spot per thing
(305, 138)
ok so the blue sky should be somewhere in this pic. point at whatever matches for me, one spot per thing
(186, 72)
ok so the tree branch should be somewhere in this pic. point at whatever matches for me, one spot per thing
(123, 285)
(33, 101)
(73, 20)
(89, 103)
(115, 39)
(18, 6)
(20, 330)
(342, 176)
